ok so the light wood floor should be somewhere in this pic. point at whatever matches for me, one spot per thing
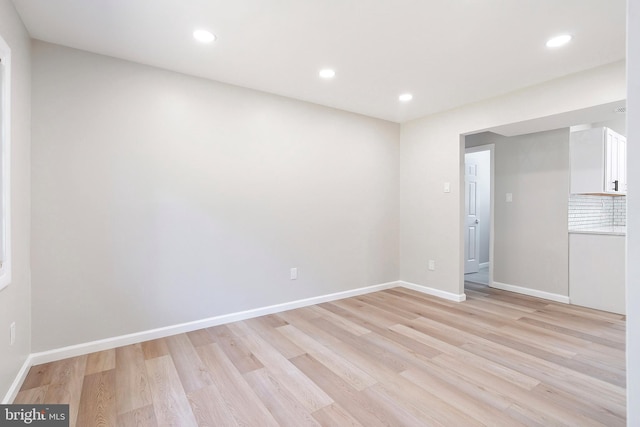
(393, 358)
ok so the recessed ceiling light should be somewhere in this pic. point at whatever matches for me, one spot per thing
(204, 36)
(559, 40)
(327, 73)
(405, 97)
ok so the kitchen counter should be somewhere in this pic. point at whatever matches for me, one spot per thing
(612, 230)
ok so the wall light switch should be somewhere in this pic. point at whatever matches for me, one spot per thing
(509, 197)
(447, 187)
(294, 273)
(432, 265)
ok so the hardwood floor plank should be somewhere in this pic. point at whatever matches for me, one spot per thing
(266, 327)
(375, 315)
(98, 402)
(399, 413)
(611, 396)
(101, 361)
(390, 339)
(38, 376)
(383, 344)
(200, 337)
(339, 321)
(190, 368)
(574, 404)
(383, 302)
(572, 363)
(141, 417)
(132, 383)
(154, 348)
(501, 394)
(308, 326)
(357, 378)
(366, 410)
(466, 357)
(607, 343)
(239, 355)
(305, 390)
(65, 385)
(415, 400)
(285, 408)
(210, 409)
(335, 415)
(170, 404)
(33, 395)
(548, 344)
(448, 391)
(233, 390)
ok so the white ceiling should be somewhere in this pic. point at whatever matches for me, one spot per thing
(445, 52)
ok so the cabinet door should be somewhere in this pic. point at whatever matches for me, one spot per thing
(588, 158)
(596, 271)
(611, 163)
(622, 163)
(615, 163)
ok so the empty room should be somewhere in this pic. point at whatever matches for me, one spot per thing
(323, 213)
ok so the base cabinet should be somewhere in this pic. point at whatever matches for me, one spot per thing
(597, 271)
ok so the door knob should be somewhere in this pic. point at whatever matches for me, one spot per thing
(477, 221)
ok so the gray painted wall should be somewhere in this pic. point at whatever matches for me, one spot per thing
(166, 198)
(531, 246)
(15, 303)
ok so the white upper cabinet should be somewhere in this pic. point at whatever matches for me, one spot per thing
(598, 162)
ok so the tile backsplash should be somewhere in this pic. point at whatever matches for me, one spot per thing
(590, 211)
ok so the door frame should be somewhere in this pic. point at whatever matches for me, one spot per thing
(491, 149)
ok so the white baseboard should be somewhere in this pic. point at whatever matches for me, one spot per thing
(435, 292)
(151, 334)
(531, 292)
(483, 264)
(17, 382)
(122, 340)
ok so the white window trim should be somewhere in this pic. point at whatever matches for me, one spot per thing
(5, 146)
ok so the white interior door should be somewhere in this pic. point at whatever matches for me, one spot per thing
(472, 222)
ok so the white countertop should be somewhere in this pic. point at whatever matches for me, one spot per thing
(612, 230)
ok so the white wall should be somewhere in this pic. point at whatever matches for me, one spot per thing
(633, 214)
(160, 198)
(483, 160)
(618, 125)
(15, 305)
(531, 246)
(431, 154)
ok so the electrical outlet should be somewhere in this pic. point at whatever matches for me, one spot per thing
(432, 265)
(12, 333)
(294, 273)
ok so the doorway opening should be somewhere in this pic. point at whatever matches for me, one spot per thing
(478, 218)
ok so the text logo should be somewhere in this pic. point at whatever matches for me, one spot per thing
(34, 415)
